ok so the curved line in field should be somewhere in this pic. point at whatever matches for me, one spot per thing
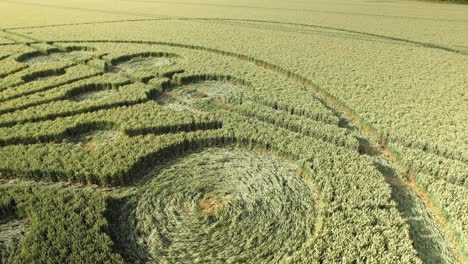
(24, 82)
(295, 10)
(419, 43)
(85, 23)
(72, 113)
(325, 98)
(437, 152)
(303, 31)
(391, 38)
(13, 44)
(7, 124)
(337, 142)
(67, 96)
(4, 57)
(93, 10)
(88, 126)
(262, 63)
(3, 75)
(45, 88)
(116, 12)
(4, 87)
(251, 25)
(185, 146)
(329, 99)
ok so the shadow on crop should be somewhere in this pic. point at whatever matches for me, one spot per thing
(428, 240)
(122, 228)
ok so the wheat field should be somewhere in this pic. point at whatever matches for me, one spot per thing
(202, 131)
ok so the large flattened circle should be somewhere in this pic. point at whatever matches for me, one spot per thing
(225, 205)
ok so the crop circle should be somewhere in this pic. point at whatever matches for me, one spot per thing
(225, 205)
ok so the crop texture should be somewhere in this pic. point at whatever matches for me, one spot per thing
(132, 137)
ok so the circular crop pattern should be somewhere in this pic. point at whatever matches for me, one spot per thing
(170, 128)
(224, 205)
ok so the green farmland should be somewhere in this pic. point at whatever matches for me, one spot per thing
(203, 131)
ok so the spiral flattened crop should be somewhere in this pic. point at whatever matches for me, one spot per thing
(225, 205)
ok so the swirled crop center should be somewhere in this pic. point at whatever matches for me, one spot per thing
(225, 205)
